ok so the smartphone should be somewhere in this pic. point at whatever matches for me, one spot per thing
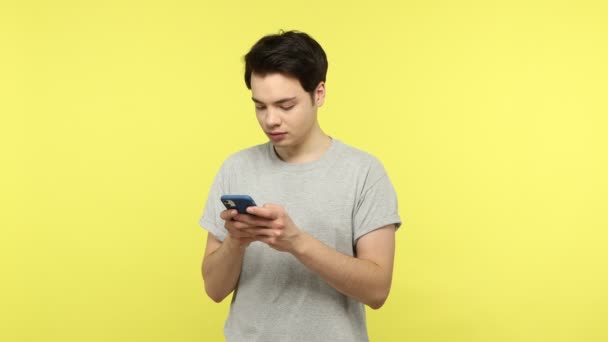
(238, 202)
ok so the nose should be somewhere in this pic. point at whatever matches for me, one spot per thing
(273, 117)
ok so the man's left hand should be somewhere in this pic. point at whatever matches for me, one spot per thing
(272, 225)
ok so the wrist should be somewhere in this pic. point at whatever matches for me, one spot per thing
(234, 245)
(300, 243)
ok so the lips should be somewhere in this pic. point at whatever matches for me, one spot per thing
(276, 136)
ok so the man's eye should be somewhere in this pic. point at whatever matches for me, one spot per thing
(260, 107)
(287, 107)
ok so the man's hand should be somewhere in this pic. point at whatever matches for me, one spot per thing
(237, 231)
(270, 224)
(366, 277)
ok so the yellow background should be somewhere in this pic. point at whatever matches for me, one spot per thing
(490, 117)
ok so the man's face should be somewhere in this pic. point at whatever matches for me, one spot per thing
(285, 111)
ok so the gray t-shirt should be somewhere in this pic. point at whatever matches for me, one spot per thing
(337, 198)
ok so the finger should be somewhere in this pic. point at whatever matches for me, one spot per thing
(260, 232)
(239, 233)
(267, 211)
(271, 241)
(241, 225)
(228, 214)
(235, 226)
(253, 220)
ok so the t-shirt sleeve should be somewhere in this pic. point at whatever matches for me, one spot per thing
(210, 220)
(377, 205)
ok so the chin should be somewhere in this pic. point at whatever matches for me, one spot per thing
(281, 143)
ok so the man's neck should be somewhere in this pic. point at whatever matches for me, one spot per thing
(311, 150)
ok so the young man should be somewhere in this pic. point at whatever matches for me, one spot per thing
(303, 264)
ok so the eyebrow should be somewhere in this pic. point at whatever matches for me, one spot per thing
(275, 102)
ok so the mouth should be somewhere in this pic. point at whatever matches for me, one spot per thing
(276, 136)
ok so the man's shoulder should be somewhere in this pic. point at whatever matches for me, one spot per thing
(250, 152)
(247, 155)
(357, 156)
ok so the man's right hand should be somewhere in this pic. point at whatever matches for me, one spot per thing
(236, 230)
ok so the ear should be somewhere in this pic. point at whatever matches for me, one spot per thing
(320, 94)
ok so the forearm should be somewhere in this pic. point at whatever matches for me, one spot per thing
(221, 269)
(361, 279)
